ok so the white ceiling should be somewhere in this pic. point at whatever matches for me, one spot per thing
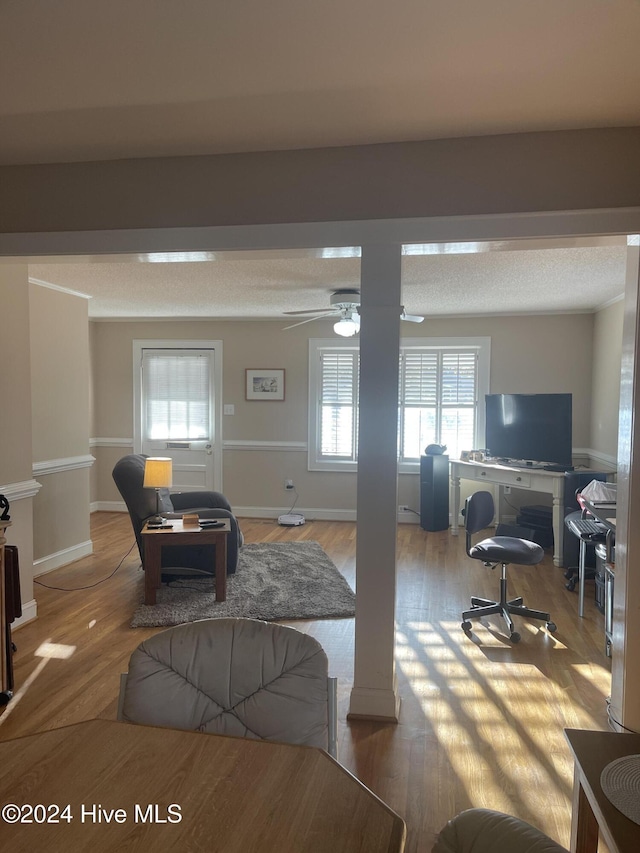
(86, 80)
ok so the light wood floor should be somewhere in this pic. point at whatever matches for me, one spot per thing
(481, 721)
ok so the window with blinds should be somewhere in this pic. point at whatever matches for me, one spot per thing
(177, 388)
(439, 389)
(339, 405)
(438, 401)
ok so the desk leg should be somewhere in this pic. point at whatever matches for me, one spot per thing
(582, 571)
(221, 568)
(498, 518)
(455, 503)
(584, 826)
(558, 529)
(152, 549)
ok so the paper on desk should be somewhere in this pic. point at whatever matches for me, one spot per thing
(598, 492)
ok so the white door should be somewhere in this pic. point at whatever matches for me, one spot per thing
(178, 410)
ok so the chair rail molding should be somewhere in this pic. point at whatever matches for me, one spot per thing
(111, 442)
(68, 463)
(241, 444)
(596, 457)
(21, 490)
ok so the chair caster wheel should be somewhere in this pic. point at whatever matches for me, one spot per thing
(571, 585)
(466, 626)
(551, 627)
(515, 637)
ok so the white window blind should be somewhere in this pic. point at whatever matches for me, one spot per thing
(439, 389)
(177, 396)
(338, 405)
(438, 394)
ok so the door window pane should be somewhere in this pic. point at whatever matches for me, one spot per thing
(176, 396)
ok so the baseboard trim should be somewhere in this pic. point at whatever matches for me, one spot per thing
(369, 704)
(405, 517)
(29, 613)
(62, 558)
(107, 506)
(310, 513)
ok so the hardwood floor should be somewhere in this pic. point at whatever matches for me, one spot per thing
(481, 720)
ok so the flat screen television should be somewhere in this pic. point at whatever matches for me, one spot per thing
(530, 427)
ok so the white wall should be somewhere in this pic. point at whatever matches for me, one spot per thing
(606, 355)
(59, 336)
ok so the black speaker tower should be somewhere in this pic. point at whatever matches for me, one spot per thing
(434, 492)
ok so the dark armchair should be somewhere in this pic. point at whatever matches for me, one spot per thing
(128, 474)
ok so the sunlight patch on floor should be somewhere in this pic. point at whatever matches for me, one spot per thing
(498, 718)
(54, 650)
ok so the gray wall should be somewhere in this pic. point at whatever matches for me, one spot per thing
(563, 170)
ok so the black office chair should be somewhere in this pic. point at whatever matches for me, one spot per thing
(498, 550)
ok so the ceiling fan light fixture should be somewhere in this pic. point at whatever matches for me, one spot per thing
(346, 327)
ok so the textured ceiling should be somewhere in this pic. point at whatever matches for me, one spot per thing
(266, 284)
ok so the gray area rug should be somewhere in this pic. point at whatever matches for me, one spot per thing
(273, 581)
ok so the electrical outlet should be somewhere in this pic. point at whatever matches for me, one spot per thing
(507, 490)
(288, 485)
(403, 508)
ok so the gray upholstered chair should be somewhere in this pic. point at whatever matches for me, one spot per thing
(487, 831)
(239, 677)
(128, 474)
(503, 551)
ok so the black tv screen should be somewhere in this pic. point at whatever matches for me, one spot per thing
(530, 427)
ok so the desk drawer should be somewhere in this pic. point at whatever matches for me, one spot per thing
(506, 478)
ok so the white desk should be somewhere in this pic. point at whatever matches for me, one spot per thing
(534, 479)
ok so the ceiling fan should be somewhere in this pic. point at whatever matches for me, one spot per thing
(344, 304)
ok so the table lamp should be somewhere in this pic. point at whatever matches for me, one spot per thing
(158, 474)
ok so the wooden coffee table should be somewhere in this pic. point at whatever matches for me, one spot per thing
(181, 534)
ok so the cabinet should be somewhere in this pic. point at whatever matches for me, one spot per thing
(434, 492)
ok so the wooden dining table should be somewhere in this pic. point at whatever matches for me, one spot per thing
(102, 785)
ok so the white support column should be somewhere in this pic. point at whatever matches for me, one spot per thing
(625, 685)
(374, 691)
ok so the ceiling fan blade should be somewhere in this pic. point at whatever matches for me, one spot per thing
(412, 318)
(312, 311)
(301, 323)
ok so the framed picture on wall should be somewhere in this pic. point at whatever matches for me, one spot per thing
(264, 384)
